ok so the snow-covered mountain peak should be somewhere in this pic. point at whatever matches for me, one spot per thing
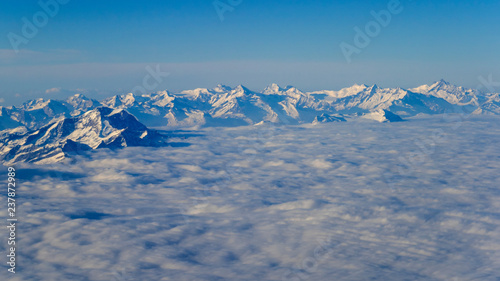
(372, 89)
(113, 101)
(342, 93)
(222, 88)
(326, 118)
(119, 116)
(164, 94)
(383, 116)
(293, 92)
(272, 89)
(162, 98)
(449, 92)
(225, 106)
(80, 102)
(275, 89)
(128, 99)
(102, 127)
(240, 90)
(354, 89)
(77, 97)
(356, 86)
(36, 104)
(441, 83)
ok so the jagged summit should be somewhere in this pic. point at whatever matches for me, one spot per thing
(102, 127)
(222, 88)
(327, 118)
(48, 130)
(382, 115)
(272, 89)
(241, 88)
(442, 82)
(227, 106)
(442, 85)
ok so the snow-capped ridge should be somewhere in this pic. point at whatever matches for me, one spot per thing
(272, 89)
(326, 118)
(226, 106)
(220, 88)
(102, 127)
(383, 116)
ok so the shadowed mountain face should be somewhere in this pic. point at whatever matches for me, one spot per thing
(225, 106)
(47, 131)
(326, 118)
(101, 127)
(383, 116)
(40, 112)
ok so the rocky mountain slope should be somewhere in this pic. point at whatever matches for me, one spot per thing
(225, 106)
(46, 131)
(101, 127)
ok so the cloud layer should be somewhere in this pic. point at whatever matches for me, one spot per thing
(361, 201)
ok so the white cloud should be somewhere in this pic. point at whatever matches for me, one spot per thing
(319, 164)
(111, 175)
(197, 213)
(53, 90)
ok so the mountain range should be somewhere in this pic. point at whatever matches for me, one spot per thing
(226, 106)
(101, 127)
(49, 130)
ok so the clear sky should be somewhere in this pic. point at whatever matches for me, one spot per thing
(104, 47)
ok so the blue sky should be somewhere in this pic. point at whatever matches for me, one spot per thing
(105, 46)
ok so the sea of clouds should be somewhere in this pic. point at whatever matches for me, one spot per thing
(416, 200)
